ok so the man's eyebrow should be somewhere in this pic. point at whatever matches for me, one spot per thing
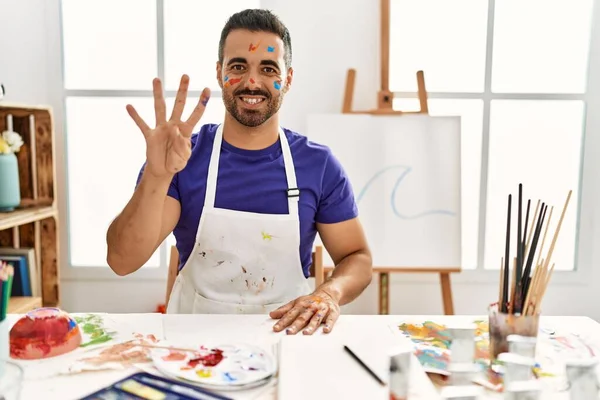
(270, 62)
(237, 60)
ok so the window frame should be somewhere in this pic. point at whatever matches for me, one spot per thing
(584, 252)
(70, 272)
(581, 272)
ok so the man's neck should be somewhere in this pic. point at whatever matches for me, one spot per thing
(250, 138)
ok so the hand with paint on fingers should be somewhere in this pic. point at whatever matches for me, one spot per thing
(168, 144)
(307, 313)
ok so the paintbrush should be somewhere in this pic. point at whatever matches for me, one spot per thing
(523, 289)
(519, 265)
(364, 366)
(157, 346)
(6, 279)
(505, 283)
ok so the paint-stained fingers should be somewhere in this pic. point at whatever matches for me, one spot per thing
(199, 109)
(180, 98)
(300, 322)
(334, 313)
(160, 108)
(287, 318)
(316, 320)
(137, 119)
(279, 312)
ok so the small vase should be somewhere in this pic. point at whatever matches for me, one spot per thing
(10, 191)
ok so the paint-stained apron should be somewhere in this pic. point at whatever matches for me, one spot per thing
(242, 262)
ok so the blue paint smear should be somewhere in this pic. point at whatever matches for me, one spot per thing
(277, 85)
(228, 377)
(403, 175)
(270, 49)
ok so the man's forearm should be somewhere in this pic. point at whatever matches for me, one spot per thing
(350, 277)
(133, 235)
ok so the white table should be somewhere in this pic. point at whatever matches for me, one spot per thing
(256, 329)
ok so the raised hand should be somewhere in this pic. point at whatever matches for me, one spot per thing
(168, 144)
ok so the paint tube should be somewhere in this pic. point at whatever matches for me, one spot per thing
(522, 345)
(399, 373)
(583, 382)
(463, 392)
(462, 345)
(523, 390)
(516, 367)
(463, 373)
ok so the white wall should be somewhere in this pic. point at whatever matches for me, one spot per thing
(30, 68)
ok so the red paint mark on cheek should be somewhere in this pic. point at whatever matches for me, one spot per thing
(232, 81)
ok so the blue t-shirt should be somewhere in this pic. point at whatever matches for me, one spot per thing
(255, 181)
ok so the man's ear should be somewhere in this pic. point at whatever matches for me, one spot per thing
(219, 75)
(288, 79)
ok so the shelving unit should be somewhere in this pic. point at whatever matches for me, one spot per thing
(34, 224)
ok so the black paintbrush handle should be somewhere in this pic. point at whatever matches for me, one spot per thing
(532, 251)
(502, 307)
(365, 367)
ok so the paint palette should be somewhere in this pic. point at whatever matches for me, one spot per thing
(223, 367)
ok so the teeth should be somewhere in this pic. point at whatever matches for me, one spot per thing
(251, 100)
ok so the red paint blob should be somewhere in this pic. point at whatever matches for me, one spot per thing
(43, 333)
(209, 360)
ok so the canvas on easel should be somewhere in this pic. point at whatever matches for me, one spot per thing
(405, 172)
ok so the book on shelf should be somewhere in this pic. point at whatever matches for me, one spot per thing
(23, 260)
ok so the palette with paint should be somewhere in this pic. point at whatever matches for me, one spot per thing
(223, 367)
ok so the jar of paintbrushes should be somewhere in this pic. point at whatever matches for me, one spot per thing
(523, 282)
(6, 278)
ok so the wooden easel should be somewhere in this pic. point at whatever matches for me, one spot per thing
(385, 107)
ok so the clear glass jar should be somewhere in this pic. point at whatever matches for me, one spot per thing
(11, 378)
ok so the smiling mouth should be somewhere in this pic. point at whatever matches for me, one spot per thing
(252, 100)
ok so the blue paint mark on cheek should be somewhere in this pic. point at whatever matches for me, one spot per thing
(277, 85)
(226, 78)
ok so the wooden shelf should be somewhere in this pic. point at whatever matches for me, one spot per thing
(22, 305)
(25, 216)
(34, 224)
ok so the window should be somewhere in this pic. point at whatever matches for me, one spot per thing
(519, 85)
(110, 59)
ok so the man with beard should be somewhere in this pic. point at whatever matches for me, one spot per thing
(244, 198)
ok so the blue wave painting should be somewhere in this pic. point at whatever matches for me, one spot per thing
(406, 170)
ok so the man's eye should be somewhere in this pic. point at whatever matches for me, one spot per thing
(269, 70)
(237, 67)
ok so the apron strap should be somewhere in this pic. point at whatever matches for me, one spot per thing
(293, 193)
(213, 170)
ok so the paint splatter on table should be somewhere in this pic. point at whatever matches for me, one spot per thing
(432, 348)
(94, 330)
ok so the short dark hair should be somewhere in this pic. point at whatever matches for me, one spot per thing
(258, 20)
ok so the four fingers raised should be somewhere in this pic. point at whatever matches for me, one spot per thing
(199, 109)
(137, 119)
(180, 98)
(160, 108)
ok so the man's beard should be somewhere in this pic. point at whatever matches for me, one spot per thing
(252, 118)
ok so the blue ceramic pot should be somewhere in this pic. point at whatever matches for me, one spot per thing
(10, 191)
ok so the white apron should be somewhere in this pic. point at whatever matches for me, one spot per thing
(242, 262)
